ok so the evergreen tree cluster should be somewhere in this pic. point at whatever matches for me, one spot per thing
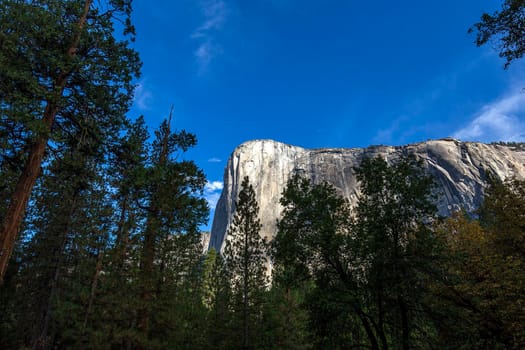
(110, 254)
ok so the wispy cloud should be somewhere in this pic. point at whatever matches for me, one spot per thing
(214, 160)
(143, 96)
(386, 135)
(502, 120)
(215, 13)
(212, 192)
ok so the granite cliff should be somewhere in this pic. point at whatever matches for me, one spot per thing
(459, 168)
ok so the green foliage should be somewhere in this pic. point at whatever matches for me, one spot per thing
(35, 64)
(245, 256)
(80, 276)
(312, 232)
(312, 251)
(66, 233)
(369, 270)
(488, 269)
(64, 79)
(285, 320)
(503, 215)
(506, 26)
(396, 246)
(480, 301)
(217, 298)
(168, 248)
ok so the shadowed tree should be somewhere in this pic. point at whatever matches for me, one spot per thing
(369, 270)
(313, 253)
(396, 247)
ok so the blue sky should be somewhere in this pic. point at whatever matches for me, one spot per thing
(322, 73)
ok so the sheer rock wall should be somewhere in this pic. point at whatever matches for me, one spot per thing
(459, 168)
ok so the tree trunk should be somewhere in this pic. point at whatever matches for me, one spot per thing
(368, 329)
(380, 330)
(40, 340)
(245, 289)
(19, 198)
(18, 201)
(94, 284)
(122, 234)
(148, 257)
(148, 250)
(363, 317)
(404, 324)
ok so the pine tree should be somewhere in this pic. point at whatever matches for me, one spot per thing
(109, 314)
(85, 277)
(245, 256)
(59, 63)
(66, 233)
(169, 250)
(217, 300)
(285, 323)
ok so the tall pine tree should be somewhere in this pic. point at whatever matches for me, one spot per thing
(245, 255)
(59, 62)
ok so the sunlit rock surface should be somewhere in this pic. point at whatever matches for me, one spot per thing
(205, 241)
(460, 170)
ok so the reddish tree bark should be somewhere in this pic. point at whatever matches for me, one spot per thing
(18, 202)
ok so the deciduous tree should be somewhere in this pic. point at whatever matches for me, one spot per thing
(396, 246)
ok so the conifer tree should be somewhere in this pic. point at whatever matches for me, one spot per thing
(170, 248)
(59, 62)
(112, 313)
(286, 319)
(65, 237)
(217, 300)
(245, 255)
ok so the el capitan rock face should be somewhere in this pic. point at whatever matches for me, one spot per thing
(459, 168)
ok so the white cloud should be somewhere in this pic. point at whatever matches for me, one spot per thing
(502, 120)
(214, 186)
(143, 96)
(212, 192)
(214, 160)
(215, 13)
